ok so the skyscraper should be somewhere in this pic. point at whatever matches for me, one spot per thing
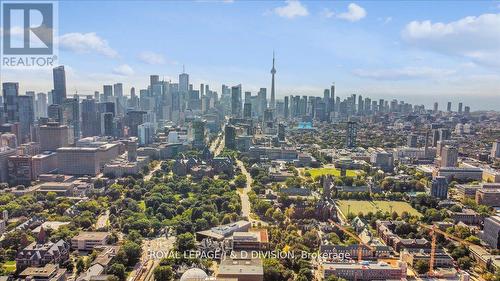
(26, 117)
(10, 93)
(230, 137)
(449, 156)
(90, 118)
(198, 134)
(107, 91)
(71, 115)
(59, 77)
(439, 187)
(495, 150)
(351, 134)
(236, 100)
(273, 90)
(460, 107)
(448, 107)
(41, 105)
(332, 98)
(286, 111)
(118, 90)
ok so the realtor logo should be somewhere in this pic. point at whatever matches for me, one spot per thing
(28, 31)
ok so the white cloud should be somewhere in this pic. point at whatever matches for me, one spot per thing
(152, 58)
(124, 70)
(406, 73)
(475, 38)
(327, 13)
(292, 9)
(354, 13)
(86, 43)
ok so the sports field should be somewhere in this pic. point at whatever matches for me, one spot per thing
(316, 172)
(355, 207)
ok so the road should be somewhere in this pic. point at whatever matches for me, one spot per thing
(152, 252)
(217, 145)
(245, 202)
(150, 174)
(102, 220)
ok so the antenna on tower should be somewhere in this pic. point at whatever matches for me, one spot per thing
(183, 69)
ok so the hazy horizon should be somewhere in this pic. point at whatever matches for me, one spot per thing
(420, 52)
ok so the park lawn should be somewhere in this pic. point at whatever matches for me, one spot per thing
(355, 207)
(316, 172)
(9, 266)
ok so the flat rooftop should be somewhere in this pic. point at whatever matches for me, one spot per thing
(90, 235)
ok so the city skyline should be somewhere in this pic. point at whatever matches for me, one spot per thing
(402, 54)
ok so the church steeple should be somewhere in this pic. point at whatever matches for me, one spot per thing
(272, 105)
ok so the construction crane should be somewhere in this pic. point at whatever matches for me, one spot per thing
(355, 237)
(433, 230)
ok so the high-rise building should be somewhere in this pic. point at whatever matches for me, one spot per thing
(247, 110)
(332, 98)
(153, 80)
(71, 115)
(118, 90)
(59, 77)
(286, 111)
(448, 107)
(262, 97)
(449, 156)
(436, 105)
(439, 187)
(230, 137)
(54, 136)
(55, 112)
(10, 93)
(41, 105)
(236, 101)
(351, 134)
(90, 118)
(135, 118)
(107, 91)
(412, 140)
(198, 134)
(26, 117)
(361, 105)
(5, 153)
(467, 109)
(281, 132)
(495, 150)
(146, 133)
(273, 90)
(491, 232)
(460, 105)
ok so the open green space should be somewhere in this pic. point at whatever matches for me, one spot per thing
(9, 266)
(316, 172)
(355, 207)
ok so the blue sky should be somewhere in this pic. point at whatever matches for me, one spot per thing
(420, 51)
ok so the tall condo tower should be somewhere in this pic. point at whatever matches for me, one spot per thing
(273, 92)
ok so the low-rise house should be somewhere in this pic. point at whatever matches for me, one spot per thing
(254, 239)
(365, 271)
(40, 253)
(49, 272)
(441, 258)
(467, 216)
(218, 233)
(87, 241)
(241, 268)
